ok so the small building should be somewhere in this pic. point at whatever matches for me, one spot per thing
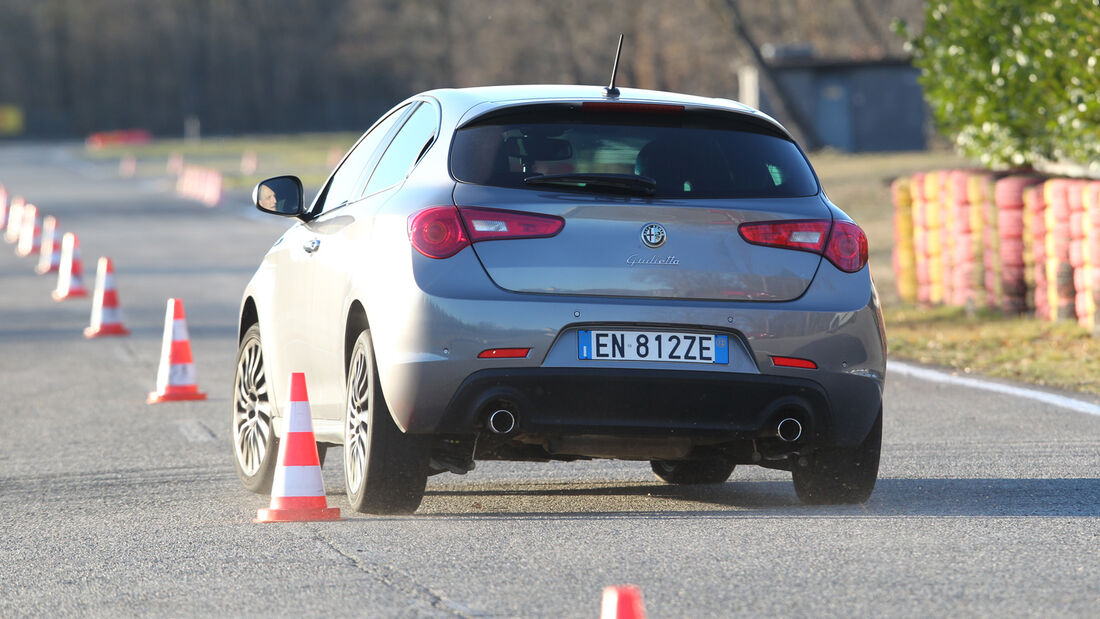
(856, 105)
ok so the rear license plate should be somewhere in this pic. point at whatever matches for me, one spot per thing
(653, 346)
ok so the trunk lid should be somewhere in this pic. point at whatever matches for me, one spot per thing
(601, 250)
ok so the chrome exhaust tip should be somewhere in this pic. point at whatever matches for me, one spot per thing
(789, 430)
(502, 421)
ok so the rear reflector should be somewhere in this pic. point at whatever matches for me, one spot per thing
(504, 353)
(793, 362)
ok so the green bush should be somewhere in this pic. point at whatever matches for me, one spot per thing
(1014, 82)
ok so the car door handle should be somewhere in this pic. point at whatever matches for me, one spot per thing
(312, 245)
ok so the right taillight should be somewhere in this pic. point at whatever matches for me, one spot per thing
(443, 231)
(847, 247)
(842, 242)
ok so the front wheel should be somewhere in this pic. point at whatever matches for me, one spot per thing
(839, 475)
(385, 469)
(714, 470)
(255, 446)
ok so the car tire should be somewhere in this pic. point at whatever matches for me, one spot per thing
(255, 446)
(385, 470)
(714, 470)
(839, 475)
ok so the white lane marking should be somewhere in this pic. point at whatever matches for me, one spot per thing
(1072, 404)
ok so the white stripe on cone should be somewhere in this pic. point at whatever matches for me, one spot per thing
(297, 481)
(179, 331)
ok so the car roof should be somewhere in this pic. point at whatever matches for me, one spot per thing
(464, 104)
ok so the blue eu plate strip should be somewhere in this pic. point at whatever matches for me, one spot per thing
(722, 349)
(584, 344)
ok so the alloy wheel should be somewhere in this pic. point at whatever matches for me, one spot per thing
(356, 431)
(252, 414)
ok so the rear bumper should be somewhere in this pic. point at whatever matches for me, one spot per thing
(705, 407)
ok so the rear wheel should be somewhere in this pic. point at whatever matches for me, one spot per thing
(839, 475)
(713, 470)
(385, 469)
(255, 446)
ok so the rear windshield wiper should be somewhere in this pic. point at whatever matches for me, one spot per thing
(618, 183)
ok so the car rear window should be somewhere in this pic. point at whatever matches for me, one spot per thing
(689, 154)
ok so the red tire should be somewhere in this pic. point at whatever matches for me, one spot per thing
(1009, 191)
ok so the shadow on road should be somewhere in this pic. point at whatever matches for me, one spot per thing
(1047, 498)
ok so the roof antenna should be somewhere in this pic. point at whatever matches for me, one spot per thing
(611, 90)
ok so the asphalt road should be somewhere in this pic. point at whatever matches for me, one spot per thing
(986, 504)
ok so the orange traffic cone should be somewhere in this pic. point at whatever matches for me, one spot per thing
(30, 238)
(106, 315)
(49, 258)
(70, 275)
(298, 492)
(176, 376)
(15, 220)
(622, 602)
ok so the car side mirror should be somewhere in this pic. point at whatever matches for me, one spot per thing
(280, 195)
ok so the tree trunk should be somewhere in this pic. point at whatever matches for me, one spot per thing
(788, 113)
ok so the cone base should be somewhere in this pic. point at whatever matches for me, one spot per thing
(72, 294)
(115, 329)
(297, 515)
(157, 398)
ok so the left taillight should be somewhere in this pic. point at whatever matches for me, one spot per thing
(843, 243)
(437, 232)
(442, 231)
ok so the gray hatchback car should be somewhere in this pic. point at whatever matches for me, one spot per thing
(546, 273)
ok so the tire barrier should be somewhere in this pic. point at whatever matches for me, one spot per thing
(920, 239)
(905, 259)
(966, 255)
(1008, 197)
(933, 225)
(200, 183)
(1035, 250)
(1088, 294)
(987, 279)
(1059, 270)
(1017, 243)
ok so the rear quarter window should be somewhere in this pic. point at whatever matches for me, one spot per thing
(689, 155)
